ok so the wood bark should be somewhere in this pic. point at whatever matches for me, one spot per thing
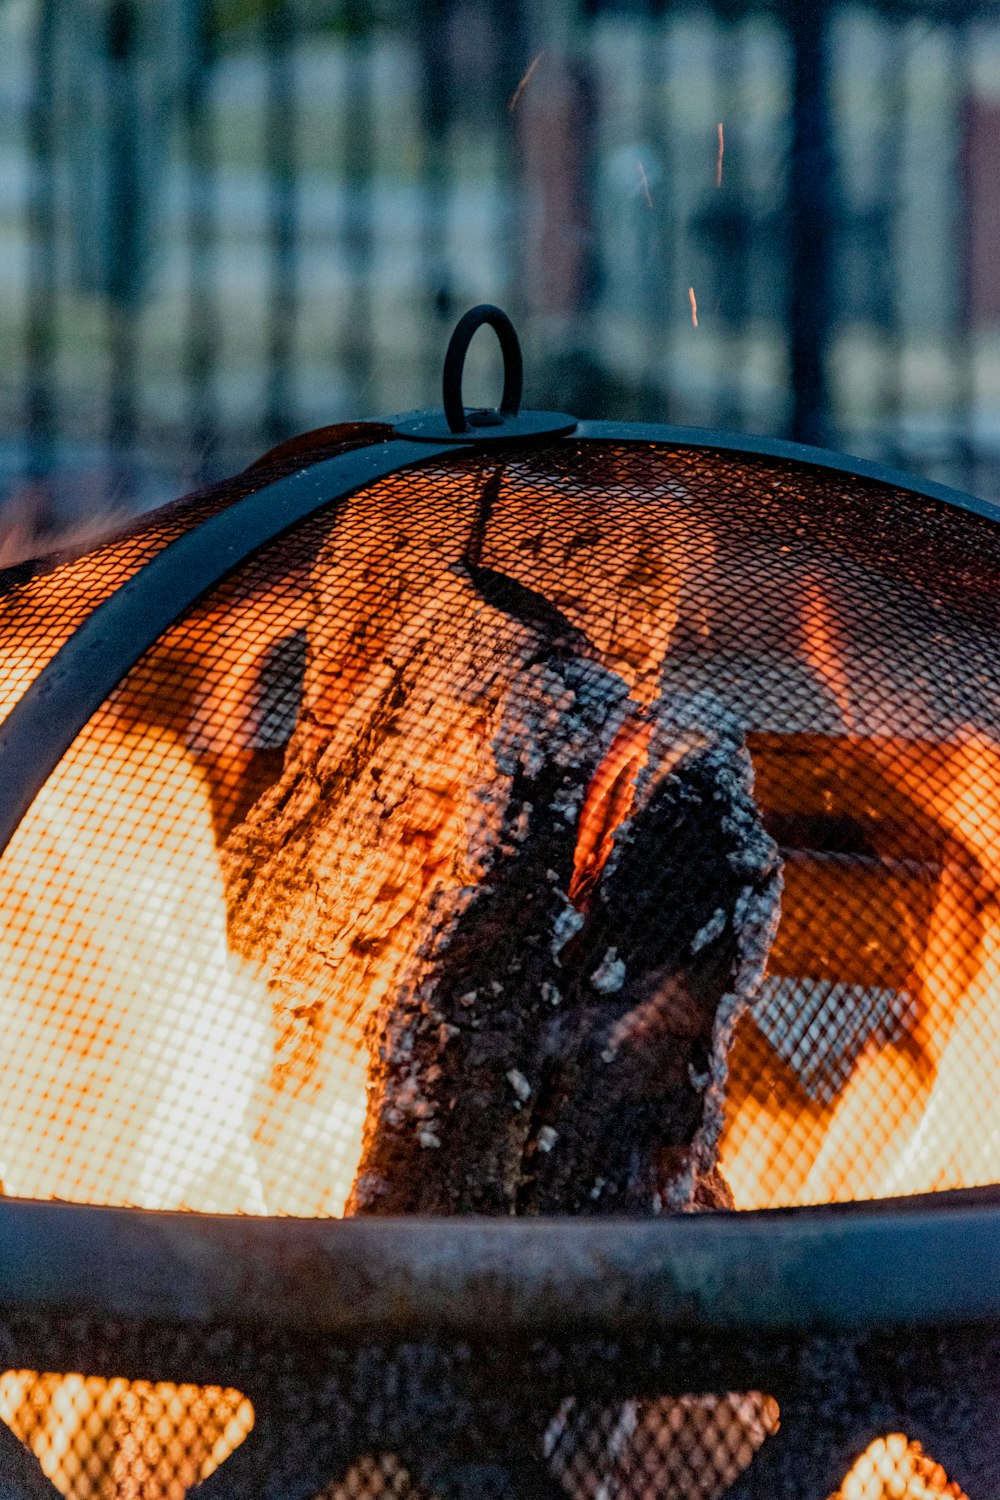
(554, 893)
(559, 1043)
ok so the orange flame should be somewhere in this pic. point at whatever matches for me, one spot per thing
(607, 803)
(124, 837)
(146, 1439)
(909, 1117)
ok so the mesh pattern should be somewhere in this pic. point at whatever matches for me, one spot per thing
(117, 1437)
(194, 947)
(688, 1446)
(891, 1466)
(43, 602)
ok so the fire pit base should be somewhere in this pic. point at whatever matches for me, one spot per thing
(562, 1360)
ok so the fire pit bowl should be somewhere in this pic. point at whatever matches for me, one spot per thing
(572, 848)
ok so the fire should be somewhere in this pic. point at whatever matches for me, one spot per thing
(148, 1072)
(607, 804)
(909, 1117)
(823, 650)
(145, 1441)
(133, 1060)
(891, 1468)
(139, 1056)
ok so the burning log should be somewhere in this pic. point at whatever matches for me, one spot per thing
(559, 1043)
(447, 818)
(545, 898)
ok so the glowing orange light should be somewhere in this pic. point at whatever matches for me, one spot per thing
(145, 1439)
(900, 1122)
(891, 1468)
(694, 306)
(823, 650)
(607, 804)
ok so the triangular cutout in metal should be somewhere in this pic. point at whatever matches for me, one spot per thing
(893, 1465)
(97, 1439)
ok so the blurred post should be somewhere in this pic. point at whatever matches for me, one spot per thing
(811, 217)
(555, 120)
(202, 333)
(39, 333)
(121, 62)
(278, 24)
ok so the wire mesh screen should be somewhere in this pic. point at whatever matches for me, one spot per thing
(670, 769)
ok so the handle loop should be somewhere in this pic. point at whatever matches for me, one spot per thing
(454, 365)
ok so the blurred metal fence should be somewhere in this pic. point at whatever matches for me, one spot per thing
(225, 220)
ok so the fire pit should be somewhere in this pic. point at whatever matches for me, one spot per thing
(543, 838)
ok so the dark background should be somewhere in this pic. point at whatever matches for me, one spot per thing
(225, 221)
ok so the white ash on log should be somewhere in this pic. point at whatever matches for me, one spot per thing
(560, 1042)
(381, 810)
(444, 825)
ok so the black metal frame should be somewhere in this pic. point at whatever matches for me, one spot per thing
(927, 1262)
(106, 646)
(915, 1267)
(85, 671)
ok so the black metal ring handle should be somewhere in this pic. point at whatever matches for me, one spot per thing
(454, 364)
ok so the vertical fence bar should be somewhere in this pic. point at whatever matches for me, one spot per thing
(733, 217)
(436, 105)
(508, 38)
(202, 334)
(40, 324)
(123, 273)
(359, 171)
(283, 228)
(964, 468)
(655, 242)
(885, 230)
(811, 205)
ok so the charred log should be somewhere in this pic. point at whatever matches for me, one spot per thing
(560, 1043)
(555, 894)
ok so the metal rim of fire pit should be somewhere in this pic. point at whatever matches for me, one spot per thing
(920, 1263)
(927, 1261)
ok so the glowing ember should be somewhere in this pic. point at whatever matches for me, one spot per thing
(694, 306)
(644, 184)
(893, 1469)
